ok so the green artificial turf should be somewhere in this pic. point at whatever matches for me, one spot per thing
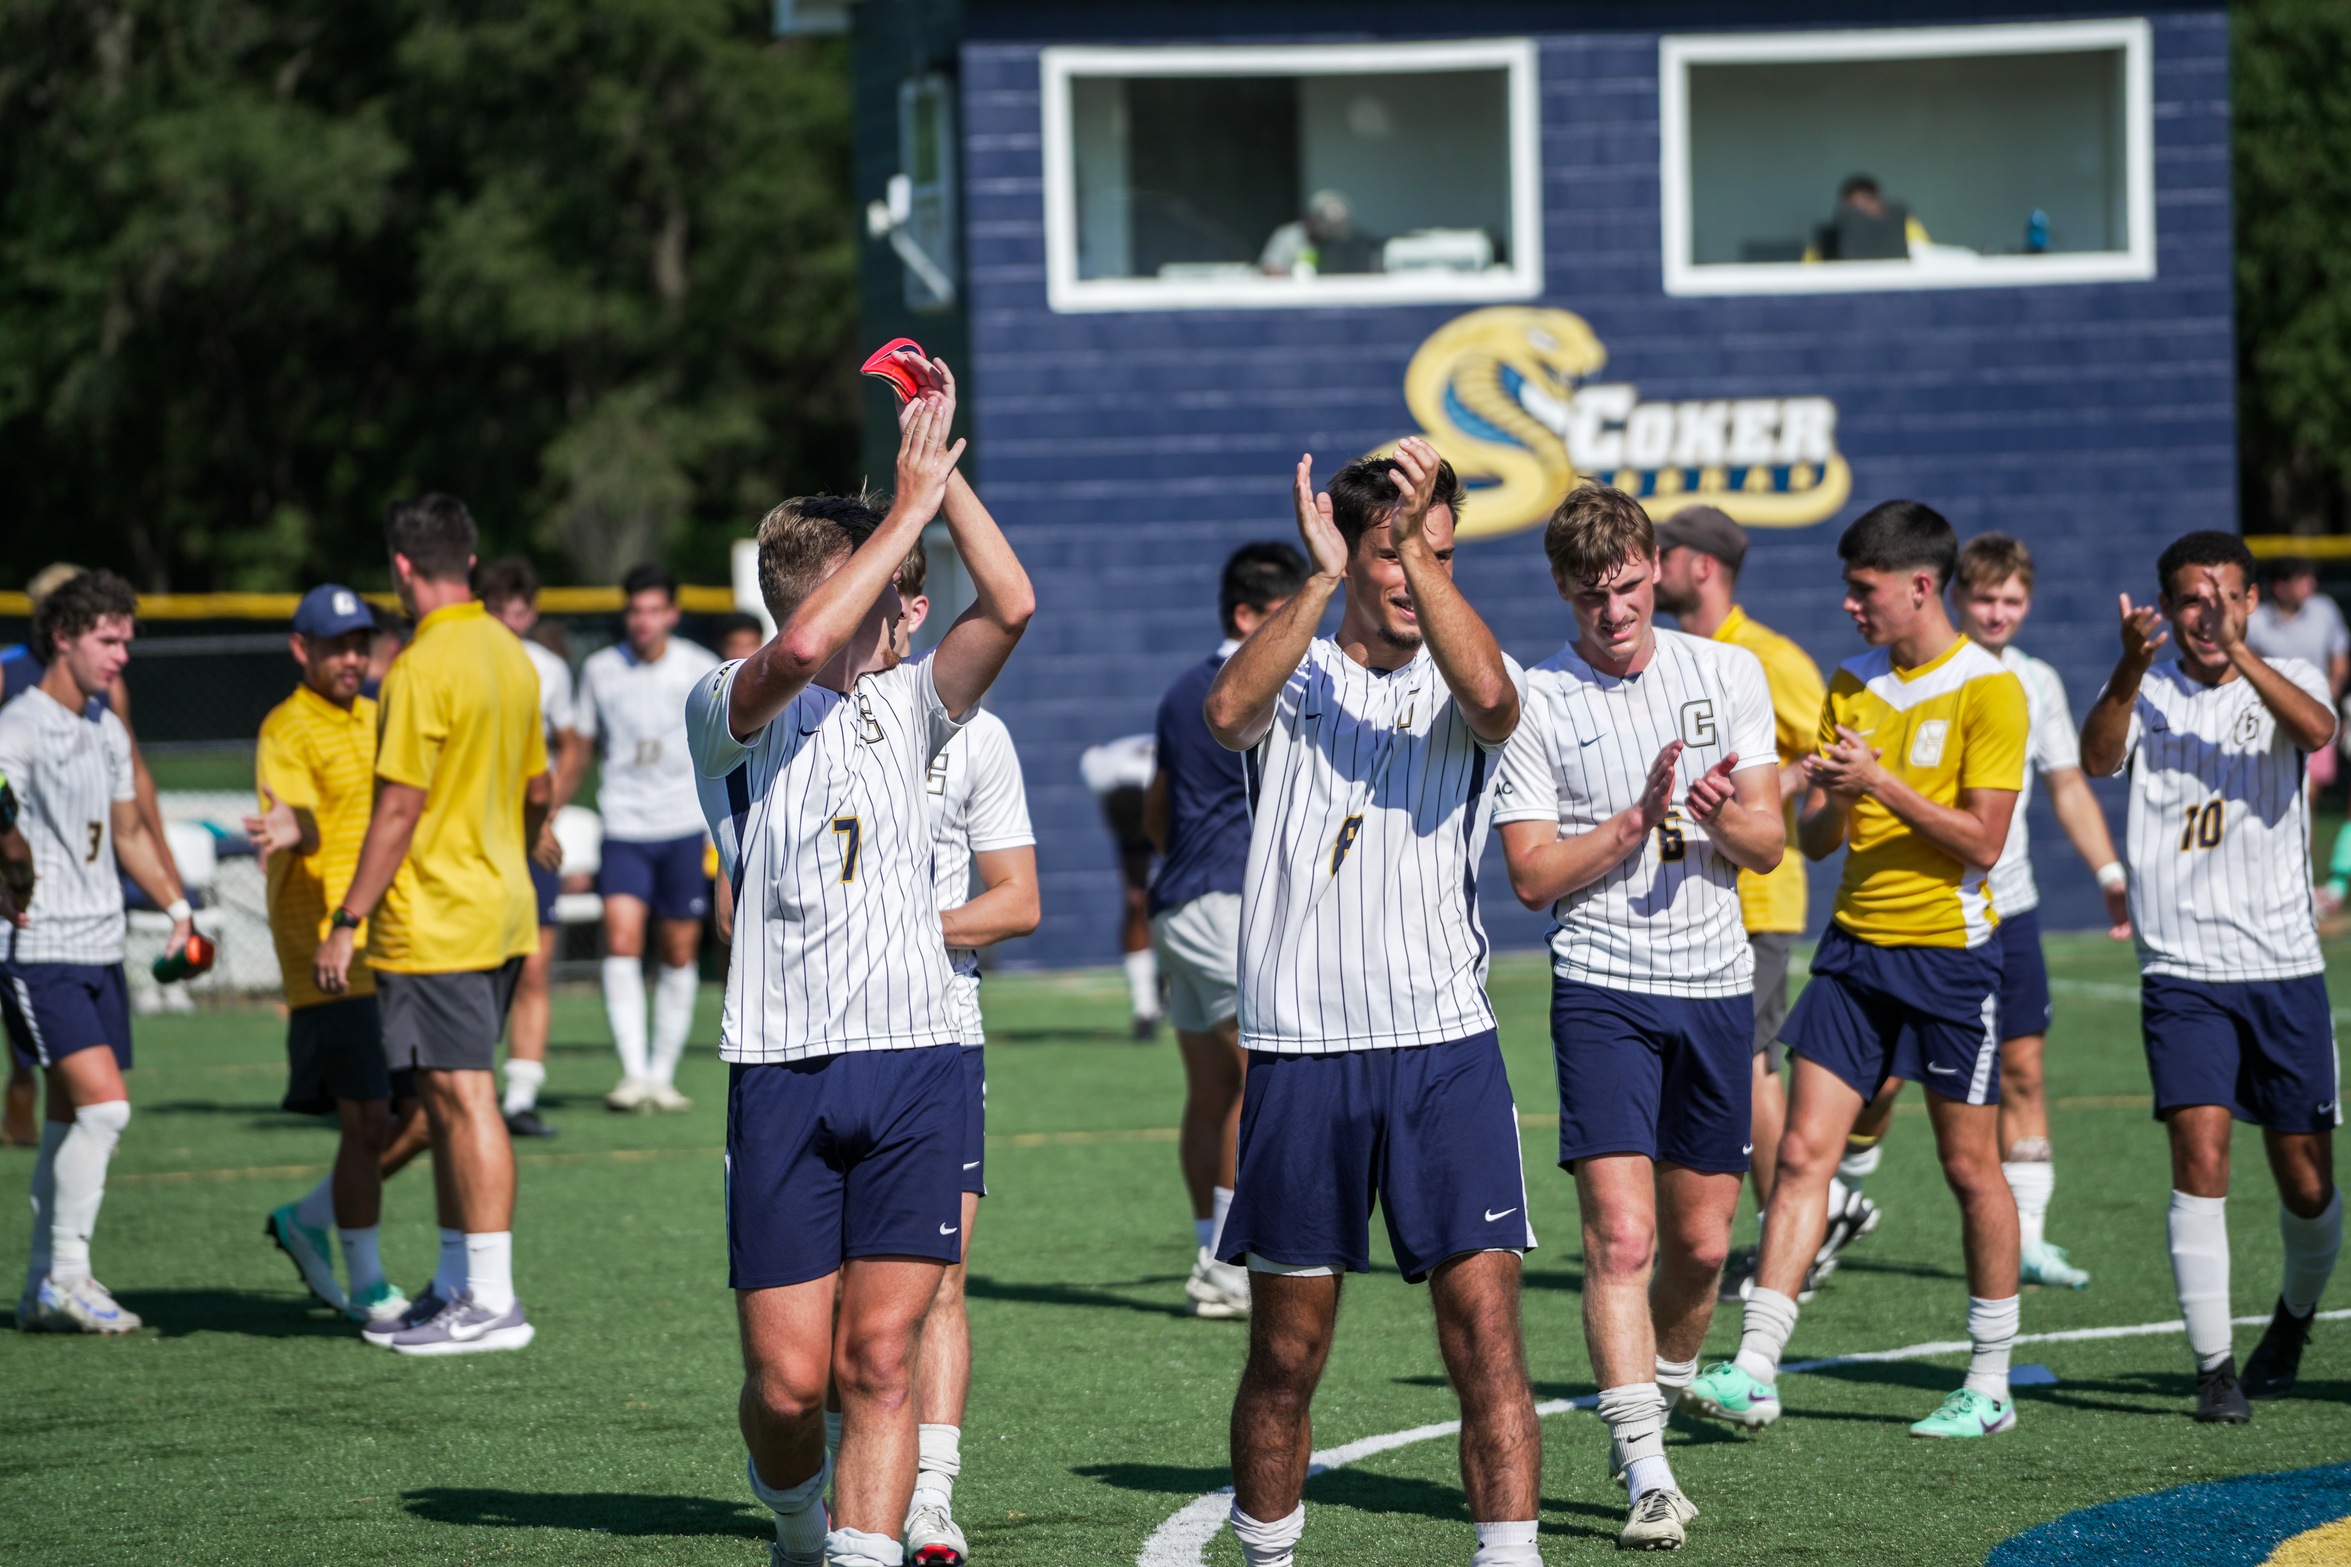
(249, 1427)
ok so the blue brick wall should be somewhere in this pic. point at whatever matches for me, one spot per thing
(1127, 453)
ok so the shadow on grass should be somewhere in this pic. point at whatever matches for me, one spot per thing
(590, 1512)
(1357, 1489)
(1158, 1479)
(1912, 1270)
(251, 1313)
(1058, 1036)
(983, 1287)
(1568, 1279)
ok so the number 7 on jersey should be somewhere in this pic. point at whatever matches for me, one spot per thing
(851, 834)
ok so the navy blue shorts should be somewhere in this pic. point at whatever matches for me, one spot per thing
(843, 1156)
(666, 876)
(2264, 1048)
(53, 1010)
(2025, 1007)
(1667, 1077)
(975, 1119)
(1928, 1015)
(546, 884)
(334, 1050)
(1429, 1132)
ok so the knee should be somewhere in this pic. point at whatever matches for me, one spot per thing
(1619, 1248)
(877, 1365)
(784, 1394)
(1804, 1156)
(1969, 1173)
(1286, 1364)
(1704, 1253)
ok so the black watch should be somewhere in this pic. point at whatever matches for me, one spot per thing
(343, 919)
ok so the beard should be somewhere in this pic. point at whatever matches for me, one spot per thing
(1401, 641)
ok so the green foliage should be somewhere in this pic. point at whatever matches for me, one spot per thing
(264, 266)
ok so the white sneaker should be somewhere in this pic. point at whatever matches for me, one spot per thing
(1657, 1522)
(664, 1096)
(86, 1306)
(633, 1094)
(932, 1540)
(1217, 1289)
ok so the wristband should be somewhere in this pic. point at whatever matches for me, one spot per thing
(343, 919)
(178, 910)
(2111, 875)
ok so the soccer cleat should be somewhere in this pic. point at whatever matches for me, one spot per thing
(421, 1310)
(1217, 1290)
(2044, 1264)
(85, 1306)
(526, 1123)
(307, 1249)
(1724, 1391)
(933, 1540)
(630, 1095)
(1145, 1029)
(379, 1302)
(2277, 1359)
(1968, 1413)
(2220, 1398)
(1657, 1521)
(664, 1096)
(1738, 1277)
(1856, 1219)
(463, 1328)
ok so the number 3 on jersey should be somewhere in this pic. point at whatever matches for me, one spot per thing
(851, 834)
(1348, 831)
(2201, 829)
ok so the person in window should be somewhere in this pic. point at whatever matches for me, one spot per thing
(1324, 240)
(1866, 227)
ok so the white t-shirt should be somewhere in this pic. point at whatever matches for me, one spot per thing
(635, 711)
(555, 699)
(978, 804)
(1664, 921)
(822, 823)
(2051, 745)
(68, 771)
(2219, 831)
(2314, 633)
(1370, 808)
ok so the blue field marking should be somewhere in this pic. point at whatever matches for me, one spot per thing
(2234, 1523)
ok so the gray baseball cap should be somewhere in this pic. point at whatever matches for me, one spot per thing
(1706, 530)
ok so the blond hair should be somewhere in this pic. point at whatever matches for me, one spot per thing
(1989, 559)
(805, 540)
(1596, 529)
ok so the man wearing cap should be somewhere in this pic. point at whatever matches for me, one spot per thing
(315, 773)
(1699, 553)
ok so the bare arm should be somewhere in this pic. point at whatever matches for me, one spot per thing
(1007, 904)
(1240, 705)
(399, 807)
(2106, 728)
(2306, 721)
(141, 853)
(1158, 811)
(572, 752)
(118, 697)
(538, 804)
(2079, 813)
(16, 877)
(1545, 867)
(281, 828)
(2338, 674)
(1459, 642)
(973, 651)
(1741, 813)
(722, 906)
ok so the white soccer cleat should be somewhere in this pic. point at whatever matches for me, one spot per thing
(1218, 1290)
(1658, 1522)
(632, 1094)
(85, 1306)
(933, 1540)
(664, 1096)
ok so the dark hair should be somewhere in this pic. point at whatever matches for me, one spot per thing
(77, 604)
(1990, 559)
(1362, 496)
(2204, 547)
(1901, 536)
(800, 541)
(1855, 184)
(649, 577)
(436, 533)
(2285, 568)
(1256, 575)
(734, 620)
(505, 580)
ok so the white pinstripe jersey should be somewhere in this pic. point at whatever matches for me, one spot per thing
(822, 825)
(978, 803)
(1665, 921)
(635, 712)
(68, 771)
(1369, 811)
(555, 698)
(2219, 831)
(2051, 745)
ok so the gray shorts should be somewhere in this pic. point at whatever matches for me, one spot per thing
(1772, 950)
(1200, 956)
(446, 1022)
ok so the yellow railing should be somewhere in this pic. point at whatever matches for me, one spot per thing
(280, 606)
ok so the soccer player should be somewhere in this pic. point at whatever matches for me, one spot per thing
(315, 774)
(1922, 747)
(1374, 1069)
(1642, 780)
(62, 994)
(632, 704)
(1700, 551)
(1197, 813)
(461, 794)
(1118, 771)
(509, 590)
(2232, 1000)
(980, 831)
(847, 1100)
(737, 636)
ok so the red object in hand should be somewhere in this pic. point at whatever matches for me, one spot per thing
(193, 959)
(888, 363)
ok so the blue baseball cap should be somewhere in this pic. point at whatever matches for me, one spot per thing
(330, 610)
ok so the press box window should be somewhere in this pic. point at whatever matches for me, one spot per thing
(1919, 158)
(1290, 176)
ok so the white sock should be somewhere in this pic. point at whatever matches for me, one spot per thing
(80, 1173)
(1143, 983)
(1672, 1377)
(2032, 1181)
(856, 1548)
(1220, 1203)
(489, 1268)
(1991, 1335)
(317, 1207)
(624, 1009)
(800, 1522)
(2199, 1230)
(940, 1461)
(362, 1261)
(1268, 1544)
(449, 1270)
(44, 1202)
(1203, 1231)
(832, 1435)
(1507, 1545)
(1636, 1423)
(523, 1079)
(673, 1018)
(2311, 1245)
(1859, 1164)
(1765, 1328)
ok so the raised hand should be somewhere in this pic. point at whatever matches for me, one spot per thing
(932, 378)
(1325, 545)
(1415, 478)
(1714, 789)
(276, 829)
(2142, 632)
(1657, 795)
(925, 460)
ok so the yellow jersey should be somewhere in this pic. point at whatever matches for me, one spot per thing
(1774, 900)
(460, 717)
(321, 760)
(1956, 722)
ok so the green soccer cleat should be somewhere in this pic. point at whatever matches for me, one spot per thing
(1725, 1392)
(309, 1251)
(379, 1302)
(1968, 1413)
(2045, 1265)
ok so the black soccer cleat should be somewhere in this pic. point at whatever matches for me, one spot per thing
(526, 1123)
(2277, 1359)
(2220, 1400)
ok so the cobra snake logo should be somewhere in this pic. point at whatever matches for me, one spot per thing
(1506, 395)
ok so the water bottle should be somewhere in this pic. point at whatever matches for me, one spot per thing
(193, 959)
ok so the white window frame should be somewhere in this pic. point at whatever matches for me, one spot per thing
(1066, 292)
(1676, 54)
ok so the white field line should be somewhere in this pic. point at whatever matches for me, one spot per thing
(1182, 1541)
